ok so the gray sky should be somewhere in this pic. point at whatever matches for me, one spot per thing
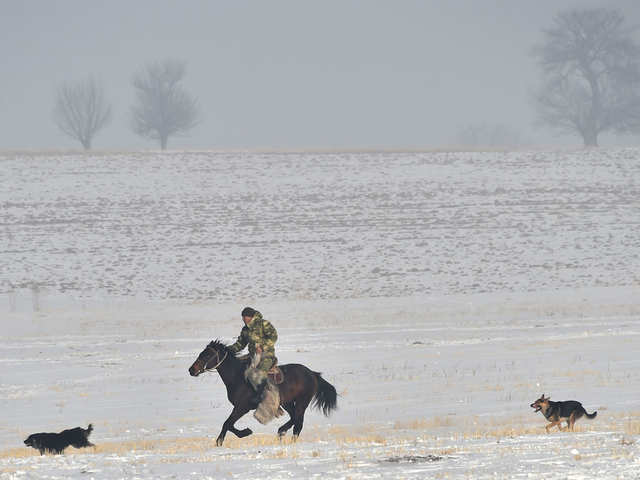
(285, 74)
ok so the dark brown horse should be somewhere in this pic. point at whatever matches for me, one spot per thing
(300, 387)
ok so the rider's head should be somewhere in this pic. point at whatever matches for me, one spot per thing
(247, 314)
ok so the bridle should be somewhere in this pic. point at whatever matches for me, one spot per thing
(209, 369)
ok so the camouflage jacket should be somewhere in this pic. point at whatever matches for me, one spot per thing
(258, 332)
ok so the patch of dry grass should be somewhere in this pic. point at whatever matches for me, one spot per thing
(632, 428)
(166, 446)
(501, 432)
(425, 423)
(631, 423)
(472, 427)
(18, 453)
(626, 422)
(190, 445)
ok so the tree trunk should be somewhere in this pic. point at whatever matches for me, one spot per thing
(591, 133)
(590, 138)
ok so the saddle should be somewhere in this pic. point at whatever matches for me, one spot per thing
(275, 374)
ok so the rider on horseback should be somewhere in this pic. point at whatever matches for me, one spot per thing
(261, 337)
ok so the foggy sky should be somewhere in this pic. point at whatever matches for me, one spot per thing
(286, 74)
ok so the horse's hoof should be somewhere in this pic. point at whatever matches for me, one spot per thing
(294, 438)
(219, 442)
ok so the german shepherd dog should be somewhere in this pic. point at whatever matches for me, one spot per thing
(56, 442)
(556, 412)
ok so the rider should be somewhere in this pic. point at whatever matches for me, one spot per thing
(261, 336)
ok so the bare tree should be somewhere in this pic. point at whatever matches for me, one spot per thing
(81, 110)
(591, 77)
(479, 135)
(162, 107)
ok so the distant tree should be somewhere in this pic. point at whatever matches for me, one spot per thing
(488, 135)
(81, 110)
(591, 74)
(162, 108)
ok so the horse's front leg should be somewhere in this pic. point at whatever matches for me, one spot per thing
(227, 426)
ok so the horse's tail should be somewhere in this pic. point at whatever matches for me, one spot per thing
(326, 397)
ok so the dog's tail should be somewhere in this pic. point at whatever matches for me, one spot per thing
(90, 429)
(591, 416)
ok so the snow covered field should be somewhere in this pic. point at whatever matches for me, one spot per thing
(441, 293)
(228, 227)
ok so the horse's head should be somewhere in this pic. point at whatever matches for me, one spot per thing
(211, 357)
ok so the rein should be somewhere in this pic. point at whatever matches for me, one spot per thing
(208, 369)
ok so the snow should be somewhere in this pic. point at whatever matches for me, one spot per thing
(183, 226)
(441, 293)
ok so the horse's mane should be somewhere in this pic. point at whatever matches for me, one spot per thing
(219, 345)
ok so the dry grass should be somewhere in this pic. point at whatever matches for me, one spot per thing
(190, 445)
(473, 427)
(165, 446)
(577, 373)
(385, 435)
(501, 432)
(631, 424)
(626, 422)
(18, 453)
(632, 428)
(491, 388)
(424, 423)
(118, 448)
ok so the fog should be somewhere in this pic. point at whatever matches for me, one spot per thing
(287, 74)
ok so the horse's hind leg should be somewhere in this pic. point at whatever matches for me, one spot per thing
(298, 419)
(289, 407)
(297, 427)
(227, 426)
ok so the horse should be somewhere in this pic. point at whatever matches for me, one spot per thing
(300, 387)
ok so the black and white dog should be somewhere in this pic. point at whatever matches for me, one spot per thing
(57, 442)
